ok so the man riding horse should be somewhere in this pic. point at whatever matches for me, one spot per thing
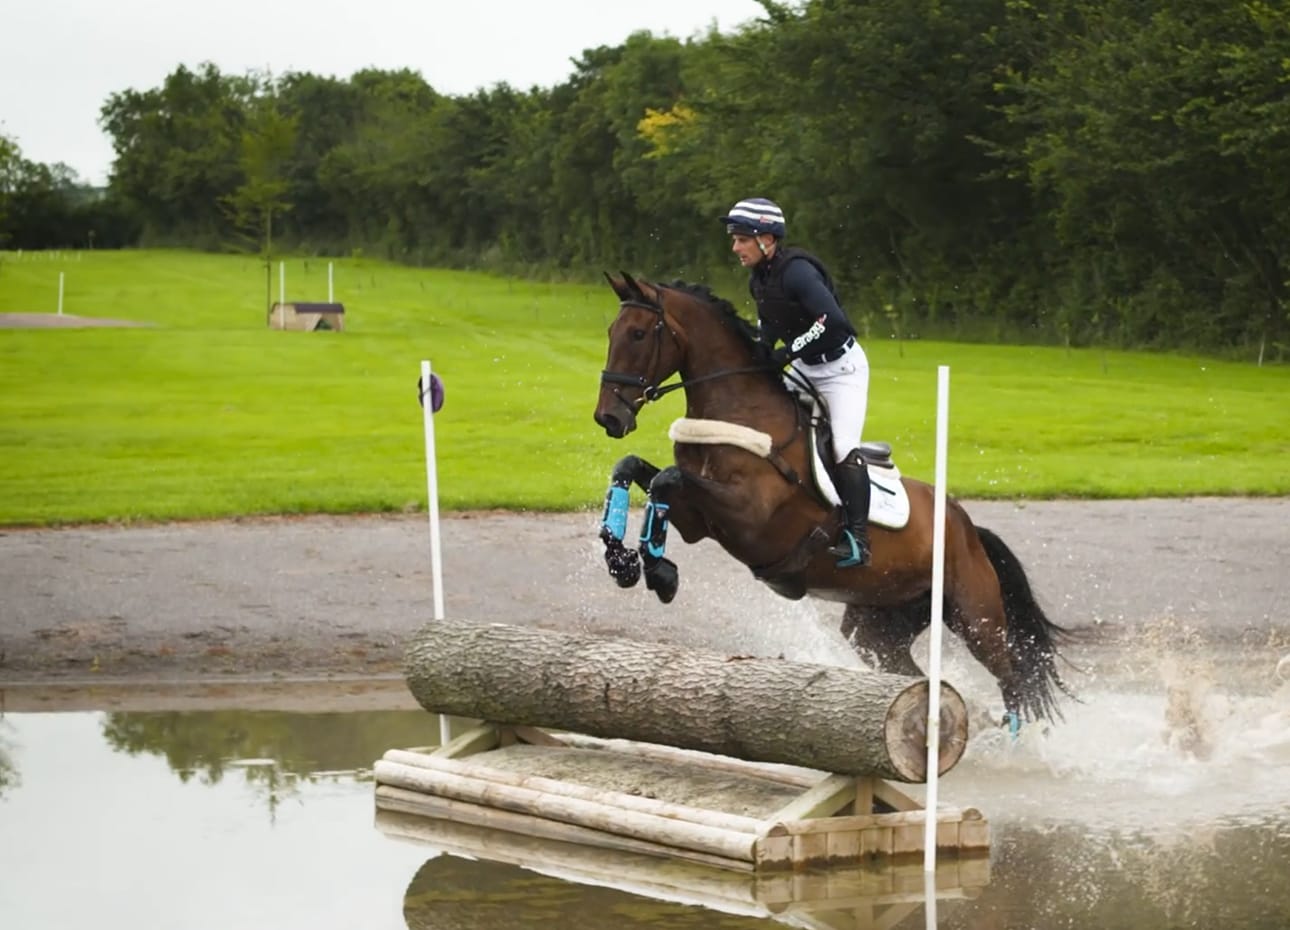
(798, 305)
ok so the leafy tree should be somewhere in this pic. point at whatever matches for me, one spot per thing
(267, 144)
(1157, 135)
(178, 151)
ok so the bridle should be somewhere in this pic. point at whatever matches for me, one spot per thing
(651, 390)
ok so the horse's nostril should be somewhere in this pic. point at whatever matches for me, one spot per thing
(610, 423)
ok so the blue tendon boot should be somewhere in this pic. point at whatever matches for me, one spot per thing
(660, 573)
(623, 563)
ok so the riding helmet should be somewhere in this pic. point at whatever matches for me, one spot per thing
(755, 216)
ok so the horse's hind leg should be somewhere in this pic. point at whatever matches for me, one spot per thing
(624, 564)
(883, 637)
(975, 612)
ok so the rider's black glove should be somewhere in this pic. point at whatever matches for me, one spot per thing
(780, 356)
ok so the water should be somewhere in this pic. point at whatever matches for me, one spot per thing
(1162, 802)
(218, 819)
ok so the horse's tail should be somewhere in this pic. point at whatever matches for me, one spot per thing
(1032, 637)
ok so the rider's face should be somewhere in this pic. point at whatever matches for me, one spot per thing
(747, 248)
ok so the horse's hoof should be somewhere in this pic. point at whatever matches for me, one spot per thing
(663, 580)
(624, 566)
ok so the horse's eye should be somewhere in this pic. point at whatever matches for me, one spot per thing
(638, 335)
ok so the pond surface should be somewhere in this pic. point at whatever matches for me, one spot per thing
(1162, 802)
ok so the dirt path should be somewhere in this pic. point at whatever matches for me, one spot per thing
(323, 597)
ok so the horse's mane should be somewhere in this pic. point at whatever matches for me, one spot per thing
(746, 330)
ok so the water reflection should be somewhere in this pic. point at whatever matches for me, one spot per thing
(207, 744)
(96, 836)
(487, 872)
(450, 893)
(1231, 877)
(272, 752)
(129, 819)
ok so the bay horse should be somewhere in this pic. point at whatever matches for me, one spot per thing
(741, 475)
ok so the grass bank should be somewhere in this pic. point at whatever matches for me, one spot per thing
(204, 412)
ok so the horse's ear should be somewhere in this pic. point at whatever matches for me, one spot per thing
(621, 286)
(635, 288)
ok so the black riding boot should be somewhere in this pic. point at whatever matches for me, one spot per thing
(851, 477)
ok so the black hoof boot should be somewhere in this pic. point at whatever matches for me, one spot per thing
(624, 564)
(663, 580)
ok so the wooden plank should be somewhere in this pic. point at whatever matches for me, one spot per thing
(907, 838)
(403, 801)
(628, 802)
(810, 849)
(974, 834)
(482, 738)
(875, 841)
(827, 797)
(864, 794)
(866, 821)
(886, 793)
(796, 776)
(536, 737)
(716, 841)
(844, 846)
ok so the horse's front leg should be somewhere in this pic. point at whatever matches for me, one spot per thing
(624, 564)
(660, 573)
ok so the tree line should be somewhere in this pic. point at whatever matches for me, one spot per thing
(1103, 172)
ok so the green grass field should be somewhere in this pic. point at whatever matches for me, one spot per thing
(206, 412)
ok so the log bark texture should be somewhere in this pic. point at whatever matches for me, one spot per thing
(844, 720)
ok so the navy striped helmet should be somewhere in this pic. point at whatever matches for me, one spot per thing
(755, 216)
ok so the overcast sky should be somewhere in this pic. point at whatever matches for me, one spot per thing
(59, 61)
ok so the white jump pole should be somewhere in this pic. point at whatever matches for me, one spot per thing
(60, 293)
(938, 610)
(282, 284)
(432, 509)
(331, 289)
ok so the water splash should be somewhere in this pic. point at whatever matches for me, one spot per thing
(1173, 730)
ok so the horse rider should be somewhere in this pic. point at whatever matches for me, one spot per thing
(798, 305)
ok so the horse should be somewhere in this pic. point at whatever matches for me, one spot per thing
(743, 461)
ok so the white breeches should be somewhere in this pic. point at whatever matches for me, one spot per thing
(844, 385)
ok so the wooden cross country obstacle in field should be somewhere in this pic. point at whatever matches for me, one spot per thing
(738, 762)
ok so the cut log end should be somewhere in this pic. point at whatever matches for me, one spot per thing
(906, 730)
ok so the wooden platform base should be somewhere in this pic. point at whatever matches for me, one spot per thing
(661, 801)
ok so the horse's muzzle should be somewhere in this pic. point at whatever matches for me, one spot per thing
(615, 414)
(616, 427)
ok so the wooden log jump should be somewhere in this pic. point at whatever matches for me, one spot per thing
(842, 720)
(735, 762)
